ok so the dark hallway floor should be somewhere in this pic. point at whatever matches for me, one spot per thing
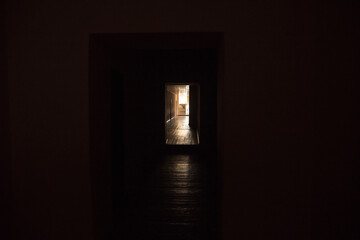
(175, 200)
(178, 132)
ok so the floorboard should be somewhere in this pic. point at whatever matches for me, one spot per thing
(178, 132)
(175, 200)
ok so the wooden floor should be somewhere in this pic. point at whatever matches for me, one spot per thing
(178, 132)
(174, 201)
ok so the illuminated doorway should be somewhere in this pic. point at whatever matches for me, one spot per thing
(182, 116)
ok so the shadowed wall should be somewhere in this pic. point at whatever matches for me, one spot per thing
(5, 135)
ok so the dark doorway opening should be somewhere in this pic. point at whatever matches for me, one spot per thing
(182, 114)
(142, 187)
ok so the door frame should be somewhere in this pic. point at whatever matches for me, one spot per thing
(101, 49)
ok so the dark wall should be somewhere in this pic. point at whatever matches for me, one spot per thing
(289, 111)
(5, 135)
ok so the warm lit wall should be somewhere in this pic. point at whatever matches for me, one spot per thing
(289, 135)
(168, 96)
(181, 109)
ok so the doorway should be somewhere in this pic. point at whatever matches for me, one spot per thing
(182, 116)
(142, 187)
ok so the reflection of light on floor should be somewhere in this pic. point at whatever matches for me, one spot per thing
(181, 169)
(183, 192)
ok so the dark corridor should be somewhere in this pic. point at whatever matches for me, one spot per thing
(144, 188)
